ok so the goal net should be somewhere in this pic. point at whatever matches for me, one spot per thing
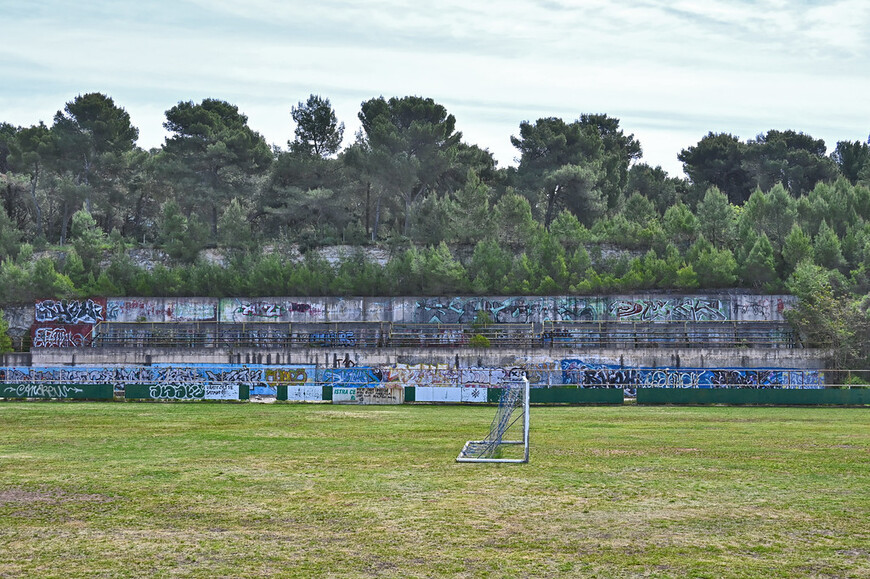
(508, 438)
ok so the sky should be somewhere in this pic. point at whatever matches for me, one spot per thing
(670, 70)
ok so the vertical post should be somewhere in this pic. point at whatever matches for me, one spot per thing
(526, 418)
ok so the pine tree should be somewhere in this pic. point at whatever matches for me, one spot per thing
(826, 248)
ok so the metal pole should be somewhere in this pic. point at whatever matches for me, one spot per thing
(526, 417)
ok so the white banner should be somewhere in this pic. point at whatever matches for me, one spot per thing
(343, 395)
(221, 392)
(438, 394)
(473, 394)
(305, 393)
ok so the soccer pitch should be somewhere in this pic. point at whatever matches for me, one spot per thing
(250, 490)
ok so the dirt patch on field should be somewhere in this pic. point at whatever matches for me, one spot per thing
(17, 496)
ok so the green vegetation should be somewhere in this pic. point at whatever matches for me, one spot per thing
(5, 340)
(206, 490)
(579, 214)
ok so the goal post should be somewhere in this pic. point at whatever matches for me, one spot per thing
(509, 429)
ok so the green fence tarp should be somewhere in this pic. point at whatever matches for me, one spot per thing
(565, 395)
(69, 391)
(576, 396)
(326, 393)
(410, 394)
(176, 392)
(761, 396)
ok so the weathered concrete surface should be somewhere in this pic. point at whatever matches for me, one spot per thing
(20, 319)
(640, 308)
(15, 359)
(459, 357)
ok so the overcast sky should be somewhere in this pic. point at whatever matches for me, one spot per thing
(671, 71)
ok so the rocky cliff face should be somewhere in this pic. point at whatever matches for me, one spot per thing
(20, 318)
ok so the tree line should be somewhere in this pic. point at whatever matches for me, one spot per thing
(579, 213)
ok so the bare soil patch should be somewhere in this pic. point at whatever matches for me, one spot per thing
(18, 496)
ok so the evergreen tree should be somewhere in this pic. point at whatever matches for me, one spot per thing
(715, 268)
(471, 216)
(10, 237)
(5, 340)
(88, 240)
(826, 248)
(318, 131)
(489, 267)
(234, 229)
(759, 268)
(717, 218)
(798, 247)
(680, 224)
(513, 218)
(638, 209)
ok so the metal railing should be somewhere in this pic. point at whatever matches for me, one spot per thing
(613, 334)
(240, 335)
(463, 335)
(610, 334)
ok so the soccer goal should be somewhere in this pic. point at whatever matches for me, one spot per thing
(508, 432)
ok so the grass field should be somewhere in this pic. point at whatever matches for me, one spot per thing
(240, 490)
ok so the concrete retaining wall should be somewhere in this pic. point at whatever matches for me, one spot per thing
(412, 310)
(459, 357)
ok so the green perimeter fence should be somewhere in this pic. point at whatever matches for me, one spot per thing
(831, 396)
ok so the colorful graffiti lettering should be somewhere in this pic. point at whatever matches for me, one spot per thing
(261, 309)
(464, 310)
(191, 312)
(679, 309)
(292, 376)
(52, 336)
(69, 311)
(594, 375)
(360, 376)
(40, 391)
(177, 391)
(332, 339)
(221, 381)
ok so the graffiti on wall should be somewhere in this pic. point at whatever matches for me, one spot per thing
(295, 375)
(669, 310)
(268, 310)
(177, 391)
(57, 336)
(358, 376)
(88, 311)
(40, 391)
(421, 375)
(332, 339)
(759, 307)
(260, 310)
(304, 382)
(524, 310)
(151, 310)
(442, 310)
(170, 381)
(182, 311)
(593, 375)
(161, 310)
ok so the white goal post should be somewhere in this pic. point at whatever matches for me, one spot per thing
(509, 428)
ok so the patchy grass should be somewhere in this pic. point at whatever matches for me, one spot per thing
(229, 490)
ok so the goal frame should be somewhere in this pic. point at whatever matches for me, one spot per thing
(524, 441)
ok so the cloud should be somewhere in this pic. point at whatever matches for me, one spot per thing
(671, 70)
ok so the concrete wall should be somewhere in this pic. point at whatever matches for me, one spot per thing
(305, 371)
(462, 357)
(502, 309)
(306, 381)
(20, 320)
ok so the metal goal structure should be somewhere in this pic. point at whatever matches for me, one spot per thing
(508, 432)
